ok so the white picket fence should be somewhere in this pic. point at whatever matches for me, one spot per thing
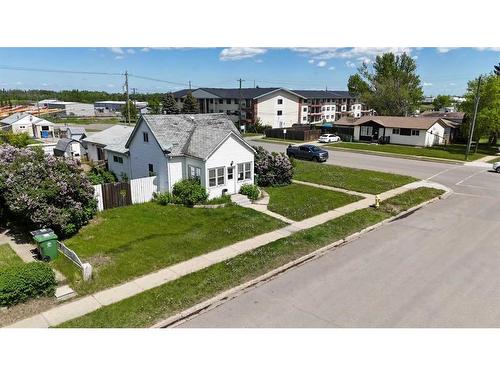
(86, 268)
(141, 189)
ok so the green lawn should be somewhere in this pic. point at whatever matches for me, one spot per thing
(147, 308)
(298, 202)
(8, 257)
(451, 152)
(127, 242)
(251, 134)
(84, 120)
(361, 180)
(494, 160)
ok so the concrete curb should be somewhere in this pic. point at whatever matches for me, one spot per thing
(240, 289)
(398, 156)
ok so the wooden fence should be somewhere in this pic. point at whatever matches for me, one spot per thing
(117, 194)
(296, 133)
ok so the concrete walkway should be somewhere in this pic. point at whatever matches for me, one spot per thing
(85, 305)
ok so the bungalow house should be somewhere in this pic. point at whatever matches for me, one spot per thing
(203, 146)
(109, 146)
(413, 131)
(27, 123)
(75, 133)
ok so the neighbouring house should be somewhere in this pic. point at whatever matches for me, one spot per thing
(414, 131)
(75, 133)
(274, 106)
(455, 121)
(27, 123)
(203, 146)
(109, 146)
(68, 148)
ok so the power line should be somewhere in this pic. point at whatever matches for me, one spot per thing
(158, 80)
(58, 71)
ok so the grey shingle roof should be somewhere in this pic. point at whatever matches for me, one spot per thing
(192, 135)
(14, 118)
(114, 138)
(62, 144)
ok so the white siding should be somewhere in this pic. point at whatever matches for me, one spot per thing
(268, 107)
(175, 167)
(142, 154)
(119, 169)
(231, 152)
(91, 151)
(436, 137)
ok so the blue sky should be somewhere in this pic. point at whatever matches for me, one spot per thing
(442, 70)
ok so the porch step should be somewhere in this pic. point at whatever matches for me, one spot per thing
(240, 200)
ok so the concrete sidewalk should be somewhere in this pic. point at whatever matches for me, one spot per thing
(85, 305)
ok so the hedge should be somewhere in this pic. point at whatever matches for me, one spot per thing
(24, 281)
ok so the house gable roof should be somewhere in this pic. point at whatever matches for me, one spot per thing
(189, 135)
(422, 123)
(113, 138)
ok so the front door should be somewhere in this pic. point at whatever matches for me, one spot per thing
(231, 181)
(100, 153)
(375, 133)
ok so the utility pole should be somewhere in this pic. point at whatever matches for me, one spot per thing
(189, 85)
(239, 103)
(471, 131)
(128, 101)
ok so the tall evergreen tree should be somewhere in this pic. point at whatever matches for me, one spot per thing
(169, 105)
(190, 104)
(154, 106)
(392, 87)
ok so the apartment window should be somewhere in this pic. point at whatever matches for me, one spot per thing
(145, 137)
(228, 101)
(221, 101)
(366, 131)
(395, 131)
(327, 117)
(244, 171)
(151, 170)
(304, 118)
(279, 113)
(304, 109)
(415, 132)
(216, 177)
(280, 101)
(118, 159)
(194, 172)
(230, 173)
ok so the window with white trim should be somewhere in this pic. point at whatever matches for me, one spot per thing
(194, 172)
(230, 173)
(415, 132)
(395, 131)
(244, 171)
(366, 131)
(280, 101)
(118, 159)
(216, 177)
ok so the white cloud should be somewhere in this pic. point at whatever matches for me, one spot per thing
(492, 49)
(117, 50)
(119, 57)
(311, 61)
(45, 84)
(349, 53)
(322, 63)
(145, 49)
(240, 53)
(427, 84)
(331, 68)
(258, 61)
(364, 59)
(445, 49)
(350, 64)
(130, 51)
(19, 83)
(453, 84)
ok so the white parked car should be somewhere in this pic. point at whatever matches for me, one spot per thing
(496, 166)
(327, 138)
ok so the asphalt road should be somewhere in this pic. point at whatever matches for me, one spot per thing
(439, 267)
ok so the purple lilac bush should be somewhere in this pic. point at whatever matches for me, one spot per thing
(44, 191)
(272, 169)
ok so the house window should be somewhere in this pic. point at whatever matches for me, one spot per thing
(194, 172)
(405, 131)
(211, 101)
(216, 177)
(221, 111)
(366, 131)
(236, 101)
(230, 173)
(221, 101)
(118, 159)
(151, 170)
(279, 113)
(280, 101)
(145, 136)
(415, 132)
(244, 171)
(228, 101)
(395, 131)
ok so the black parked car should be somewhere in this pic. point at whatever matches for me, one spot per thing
(307, 152)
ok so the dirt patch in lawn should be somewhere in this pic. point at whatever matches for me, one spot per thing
(25, 310)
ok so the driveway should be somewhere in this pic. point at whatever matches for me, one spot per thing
(439, 267)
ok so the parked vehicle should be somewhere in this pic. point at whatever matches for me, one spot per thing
(307, 152)
(496, 166)
(328, 138)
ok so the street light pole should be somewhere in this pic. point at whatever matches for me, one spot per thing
(471, 131)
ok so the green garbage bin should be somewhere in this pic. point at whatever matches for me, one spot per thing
(47, 245)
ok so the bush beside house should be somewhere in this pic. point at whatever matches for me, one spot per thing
(21, 282)
(272, 169)
(189, 192)
(251, 191)
(38, 190)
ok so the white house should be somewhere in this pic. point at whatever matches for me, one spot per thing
(109, 145)
(27, 123)
(414, 131)
(203, 146)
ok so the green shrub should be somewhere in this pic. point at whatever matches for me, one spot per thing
(99, 175)
(28, 280)
(223, 199)
(163, 198)
(251, 191)
(189, 192)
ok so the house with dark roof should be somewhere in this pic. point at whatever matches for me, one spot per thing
(207, 147)
(274, 106)
(414, 131)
